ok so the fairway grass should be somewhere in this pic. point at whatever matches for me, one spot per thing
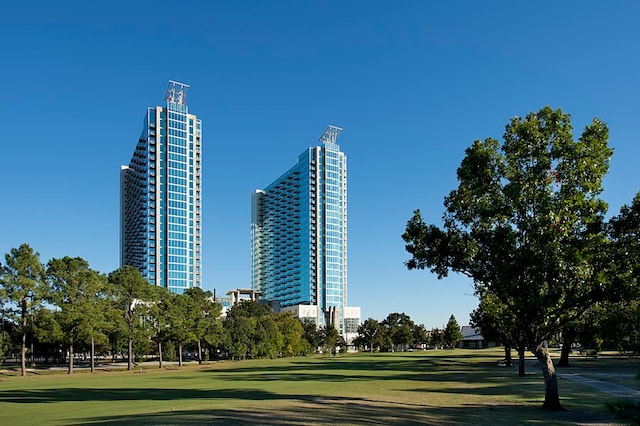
(433, 387)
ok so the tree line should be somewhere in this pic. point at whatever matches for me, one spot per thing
(528, 226)
(399, 332)
(64, 308)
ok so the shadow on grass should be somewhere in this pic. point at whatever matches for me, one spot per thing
(377, 367)
(341, 411)
(334, 370)
(130, 394)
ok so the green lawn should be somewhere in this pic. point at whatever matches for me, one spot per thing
(434, 387)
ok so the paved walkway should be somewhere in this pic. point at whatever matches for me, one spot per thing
(611, 388)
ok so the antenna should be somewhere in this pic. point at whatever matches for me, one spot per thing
(330, 135)
(177, 92)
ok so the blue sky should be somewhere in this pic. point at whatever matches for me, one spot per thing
(412, 83)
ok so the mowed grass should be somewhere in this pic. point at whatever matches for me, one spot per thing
(434, 387)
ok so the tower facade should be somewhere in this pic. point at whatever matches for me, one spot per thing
(161, 196)
(299, 236)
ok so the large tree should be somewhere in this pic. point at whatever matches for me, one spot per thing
(215, 337)
(205, 315)
(160, 319)
(181, 319)
(420, 335)
(370, 334)
(330, 339)
(251, 330)
(398, 329)
(293, 342)
(527, 225)
(132, 297)
(22, 279)
(75, 290)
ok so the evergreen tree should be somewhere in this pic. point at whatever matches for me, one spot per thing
(75, 290)
(22, 281)
(452, 335)
(132, 298)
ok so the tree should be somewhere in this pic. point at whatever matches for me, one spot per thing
(498, 323)
(398, 329)
(238, 335)
(452, 334)
(205, 315)
(181, 319)
(436, 338)
(251, 330)
(215, 337)
(268, 339)
(22, 279)
(330, 338)
(311, 334)
(526, 224)
(568, 334)
(76, 290)
(290, 328)
(160, 320)
(420, 334)
(615, 326)
(624, 232)
(369, 334)
(132, 297)
(49, 334)
(619, 322)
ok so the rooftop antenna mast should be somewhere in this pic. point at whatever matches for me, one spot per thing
(177, 92)
(330, 135)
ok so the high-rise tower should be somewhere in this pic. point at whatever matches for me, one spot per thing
(299, 237)
(161, 196)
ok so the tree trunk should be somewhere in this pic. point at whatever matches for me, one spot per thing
(159, 353)
(567, 340)
(180, 354)
(507, 356)
(33, 352)
(199, 352)
(564, 354)
(130, 360)
(551, 394)
(521, 365)
(23, 349)
(93, 355)
(70, 368)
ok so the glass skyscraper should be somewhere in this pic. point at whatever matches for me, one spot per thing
(161, 196)
(299, 237)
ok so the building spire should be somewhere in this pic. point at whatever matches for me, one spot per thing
(330, 135)
(177, 93)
